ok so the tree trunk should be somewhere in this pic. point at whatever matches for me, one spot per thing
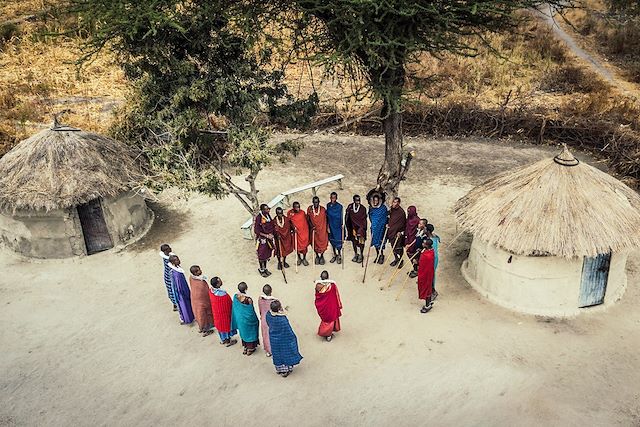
(395, 165)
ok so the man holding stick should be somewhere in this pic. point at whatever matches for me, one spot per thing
(263, 228)
(284, 238)
(317, 216)
(378, 217)
(356, 226)
(336, 230)
(397, 221)
(300, 226)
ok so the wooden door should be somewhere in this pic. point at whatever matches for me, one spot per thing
(94, 227)
(595, 274)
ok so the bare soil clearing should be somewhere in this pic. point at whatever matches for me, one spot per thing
(93, 341)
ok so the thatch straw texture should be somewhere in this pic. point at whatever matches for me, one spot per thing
(553, 207)
(60, 168)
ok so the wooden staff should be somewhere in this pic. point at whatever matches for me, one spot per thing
(398, 270)
(366, 265)
(313, 248)
(342, 248)
(406, 279)
(295, 245)
(281, 259)
(383, 269)
(384, 236)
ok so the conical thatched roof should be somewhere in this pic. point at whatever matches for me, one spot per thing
(558, 207)
(62, 167)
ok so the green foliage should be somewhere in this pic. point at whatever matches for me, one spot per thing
(192, 63)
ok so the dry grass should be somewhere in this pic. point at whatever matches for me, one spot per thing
(38, 78)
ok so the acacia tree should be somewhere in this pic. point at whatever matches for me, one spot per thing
(381, 40)
(202, 95)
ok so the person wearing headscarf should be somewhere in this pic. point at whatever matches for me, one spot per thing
(264, 304)
(425, 275)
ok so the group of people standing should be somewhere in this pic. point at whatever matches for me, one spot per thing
(320, 226)
(206, 302)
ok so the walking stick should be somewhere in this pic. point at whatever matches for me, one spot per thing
(398, 270)
(366, 265)
(295, 244)
(383, 269)
(280, 260)
(406, 279)
(384, 236)
(313, 248)
(342, 240)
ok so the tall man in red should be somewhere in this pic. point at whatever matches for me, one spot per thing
(284, 238)
(355, 220)
(300, 226)
(329, 306)
(425, 274)
(319, 231)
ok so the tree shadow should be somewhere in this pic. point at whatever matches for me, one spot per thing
(168, 225)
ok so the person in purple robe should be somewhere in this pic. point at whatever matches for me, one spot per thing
(181, 290)
(263, 228)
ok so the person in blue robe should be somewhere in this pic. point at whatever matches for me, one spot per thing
(336, 233)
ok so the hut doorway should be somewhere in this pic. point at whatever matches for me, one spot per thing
(595, 274)
(94, 227)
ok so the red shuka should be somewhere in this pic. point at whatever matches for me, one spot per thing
(284, 238)
(321, 235)
(221, 307)
(328, 304)
(299, 221)
(425, 274)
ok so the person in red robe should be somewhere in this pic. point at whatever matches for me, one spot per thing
(300, 226)
(200, 301)
(320, 234)
(355, 220)
(221, 306)
(284, 238)
(329, 306)
(425, 274)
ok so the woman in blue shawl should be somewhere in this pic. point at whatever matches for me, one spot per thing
(378, 217)
(245, 320)
(284, 344)
(334, 219)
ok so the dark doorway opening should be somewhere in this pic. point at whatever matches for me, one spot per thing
(595, 275)
(94, 227)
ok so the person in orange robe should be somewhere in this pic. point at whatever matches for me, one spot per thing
(301, 230)
(425, 274)
(200, 303)
(328, 305)
(284, 238)
(319, 231)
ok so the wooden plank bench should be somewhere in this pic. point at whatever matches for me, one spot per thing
(282, 200)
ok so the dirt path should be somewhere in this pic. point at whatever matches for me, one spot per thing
(93, 341)
(597, 65)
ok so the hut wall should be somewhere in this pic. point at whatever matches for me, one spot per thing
(536, 285)
(53, 234)
(617, 281)
(127, 217)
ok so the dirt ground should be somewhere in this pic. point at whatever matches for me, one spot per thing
(93, 341)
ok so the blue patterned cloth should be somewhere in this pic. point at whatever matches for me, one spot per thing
(284, 343)
(334, 218)
(167, 278)
(378, 219)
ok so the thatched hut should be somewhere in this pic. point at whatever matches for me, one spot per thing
(551, 238)
(65, 192)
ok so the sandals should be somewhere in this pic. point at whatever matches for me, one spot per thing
(285, 374)
(207, 333)
(426, 308)
(268, 354)
(230, 343)
(250, 351)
